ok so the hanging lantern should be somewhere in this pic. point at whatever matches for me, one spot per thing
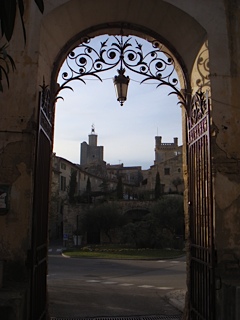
(121, 86)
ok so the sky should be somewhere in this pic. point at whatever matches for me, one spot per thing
(127, 132)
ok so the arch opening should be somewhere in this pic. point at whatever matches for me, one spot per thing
(184, 78)
(94, 238)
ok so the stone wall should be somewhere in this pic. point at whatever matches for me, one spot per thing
(73, 213)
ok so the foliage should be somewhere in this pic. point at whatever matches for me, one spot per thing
(8, 11)
(157, 187)
(72, 186)
(103, 217)
(88, 190)
(6, 64)
(122, 252)
(89, 186)
(120, 188)
(177, 182)
(104, 186)
(162, 228)
(169, 213)
(145, 234)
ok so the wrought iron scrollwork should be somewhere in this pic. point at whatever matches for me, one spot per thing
(199, 106)
(156, 64)
(46, 105)
(45, 102)
(202, 65)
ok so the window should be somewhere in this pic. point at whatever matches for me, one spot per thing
(179, 170)
(63, 183)
(63, 166)
(167, 171)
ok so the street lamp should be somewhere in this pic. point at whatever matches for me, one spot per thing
(121, 86)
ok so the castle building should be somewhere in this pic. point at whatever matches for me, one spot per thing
(168, 163)
(165, 151)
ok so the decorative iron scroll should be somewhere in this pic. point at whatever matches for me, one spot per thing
(197, 120)
(203, 69)
(199, 107)
(46, 110)
(156, 64)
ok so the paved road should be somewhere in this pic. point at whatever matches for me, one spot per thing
(98, 287)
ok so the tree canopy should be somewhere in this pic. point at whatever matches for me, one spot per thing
(119, 188)
(103, 217)
(72, 186)
(177, 182)
(163, 227)
(157, 186)
(169, 213)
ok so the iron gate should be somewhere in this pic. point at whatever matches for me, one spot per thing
(40, 208)
(202, 288)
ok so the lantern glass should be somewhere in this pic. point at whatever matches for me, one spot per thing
(121, 86)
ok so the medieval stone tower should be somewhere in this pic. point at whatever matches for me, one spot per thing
(165, 151)
(91, 153)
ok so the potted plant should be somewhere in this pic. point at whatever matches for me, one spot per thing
(77, 237)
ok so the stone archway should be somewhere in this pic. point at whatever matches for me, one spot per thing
(56, 38)
(114, 28)
(186, 26)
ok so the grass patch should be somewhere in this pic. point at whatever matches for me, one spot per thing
(120, 252)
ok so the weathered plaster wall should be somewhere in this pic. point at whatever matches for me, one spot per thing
(226, 147)
(157, 16)
(16, 165)
(17, 140)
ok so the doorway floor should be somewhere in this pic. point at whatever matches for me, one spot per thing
(157, 317)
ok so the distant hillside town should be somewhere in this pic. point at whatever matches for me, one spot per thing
(94, 180)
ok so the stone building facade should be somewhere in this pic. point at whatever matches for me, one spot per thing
(131, 175)
(59, 201)
(169, 164)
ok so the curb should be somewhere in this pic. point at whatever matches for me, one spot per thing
(176, 299)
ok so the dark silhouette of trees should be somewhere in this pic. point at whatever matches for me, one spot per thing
(157, 187)
(163, 227)
(89, 190)
(177, 182)
(102, 218)
(104, 186)
(72, 187)
(169, 213)
(120, 188)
